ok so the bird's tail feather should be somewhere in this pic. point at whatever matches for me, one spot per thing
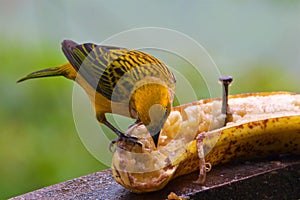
(53, 71)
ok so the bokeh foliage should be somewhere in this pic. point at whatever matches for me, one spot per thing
(39, 145)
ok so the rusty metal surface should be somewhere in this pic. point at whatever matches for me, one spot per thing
(268, 179)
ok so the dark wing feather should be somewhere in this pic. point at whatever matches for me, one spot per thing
(103, 66)
(92, 62)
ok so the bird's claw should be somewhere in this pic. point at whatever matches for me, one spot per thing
(128, 139)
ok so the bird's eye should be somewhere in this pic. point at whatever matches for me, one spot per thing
(166, 111)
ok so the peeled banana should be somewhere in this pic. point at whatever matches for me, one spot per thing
(194, 137)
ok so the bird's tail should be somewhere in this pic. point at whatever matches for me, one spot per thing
(63, 70)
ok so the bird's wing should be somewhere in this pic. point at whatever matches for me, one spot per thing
(92, 62)
(103, 66)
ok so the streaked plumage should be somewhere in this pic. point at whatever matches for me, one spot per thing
(120, 81)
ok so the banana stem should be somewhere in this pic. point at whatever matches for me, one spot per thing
(225, 81)
(202, 166)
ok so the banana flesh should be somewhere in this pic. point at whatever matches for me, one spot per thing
(194, 137)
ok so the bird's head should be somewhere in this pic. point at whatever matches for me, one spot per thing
(151, 104)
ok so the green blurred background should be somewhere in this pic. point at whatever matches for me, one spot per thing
(258, 43)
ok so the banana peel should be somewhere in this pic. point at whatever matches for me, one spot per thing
(194, 138)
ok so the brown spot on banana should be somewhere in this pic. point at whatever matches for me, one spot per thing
(262, 124)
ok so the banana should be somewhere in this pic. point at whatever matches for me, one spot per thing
(194, 137)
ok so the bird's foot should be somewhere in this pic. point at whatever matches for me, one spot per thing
(127, 139)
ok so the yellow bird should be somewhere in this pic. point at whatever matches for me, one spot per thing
(119, 81)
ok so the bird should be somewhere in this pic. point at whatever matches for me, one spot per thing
(120, 81)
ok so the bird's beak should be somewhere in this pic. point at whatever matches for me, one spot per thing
(155, 138)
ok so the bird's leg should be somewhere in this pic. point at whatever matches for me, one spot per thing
(121, 136)
(114, 129)
(134, 123)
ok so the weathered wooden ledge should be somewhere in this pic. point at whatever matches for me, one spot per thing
(265, 179)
